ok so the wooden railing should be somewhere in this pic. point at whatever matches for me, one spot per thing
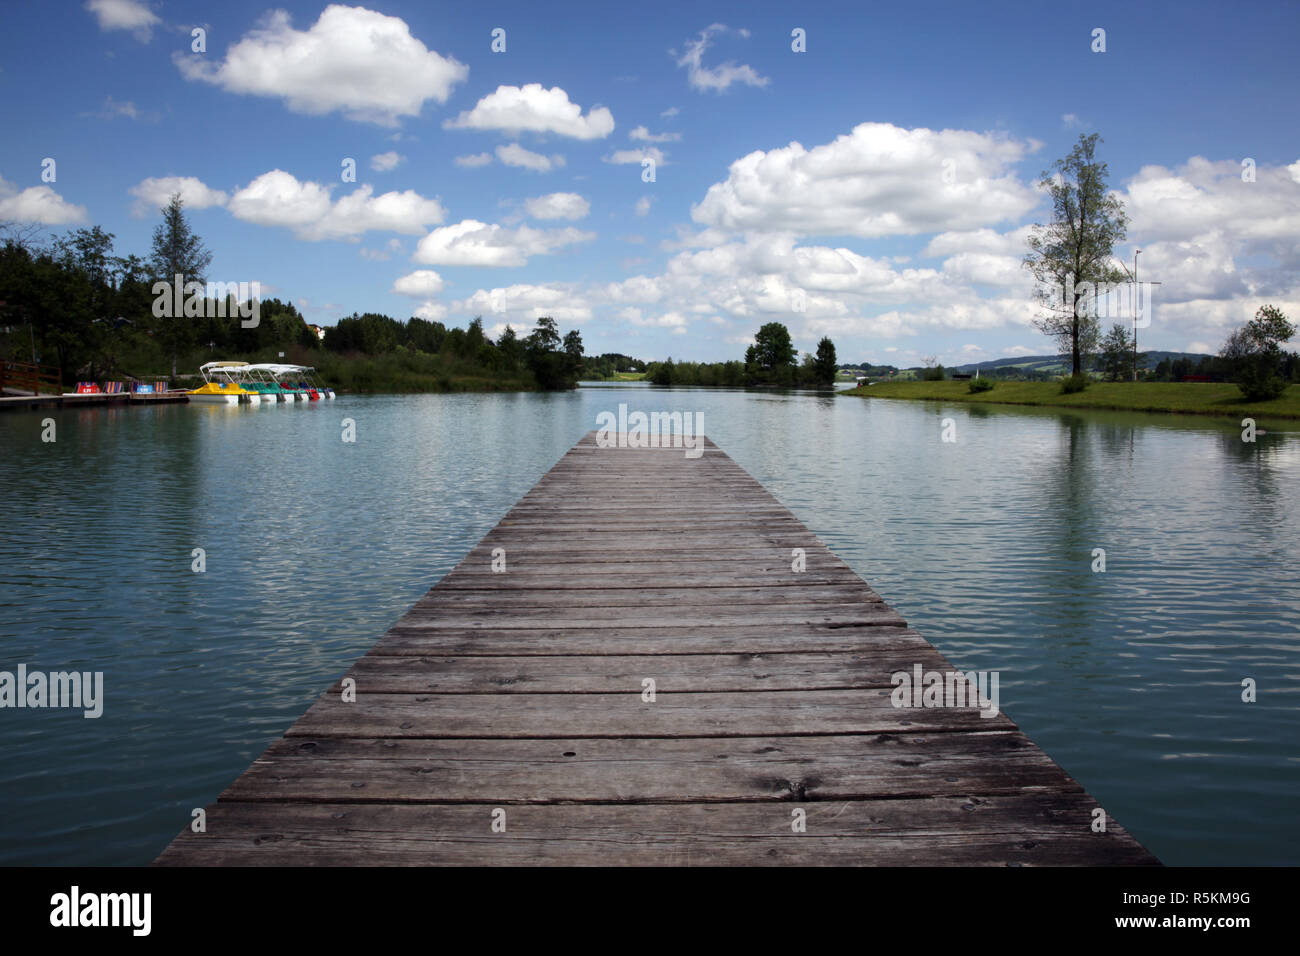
(31, 378)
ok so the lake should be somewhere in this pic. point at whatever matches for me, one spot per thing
(1130, 678)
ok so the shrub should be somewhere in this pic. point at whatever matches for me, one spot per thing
(1260, 384)
(981, 385)
(933, 374)
(1074, 383)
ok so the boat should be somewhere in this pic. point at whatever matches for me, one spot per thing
(222, 385)
(302, 379)
(263, 380)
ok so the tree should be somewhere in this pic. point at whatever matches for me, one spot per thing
(178, 251)
(824, 363)
(774, 353)
(542, 353)
(1116, 352)
(573, 352)
(510, 349)
(1070, 257)
(1254, 354)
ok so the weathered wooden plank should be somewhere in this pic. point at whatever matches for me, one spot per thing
(612, 673)
(1025, 830)
(650, 770)
(673, 714)
(614, 639)
(675, 598)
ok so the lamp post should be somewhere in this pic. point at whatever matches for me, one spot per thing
(1136, 253)
(1133, 275)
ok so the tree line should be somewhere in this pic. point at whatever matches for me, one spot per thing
(73, 303)
(771, 360)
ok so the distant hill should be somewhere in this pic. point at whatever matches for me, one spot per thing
(1052, 364)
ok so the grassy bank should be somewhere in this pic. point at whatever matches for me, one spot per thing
(1188, 398)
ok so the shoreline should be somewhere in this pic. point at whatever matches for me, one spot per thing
(1096, 397)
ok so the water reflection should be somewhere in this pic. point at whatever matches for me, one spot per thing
(1129, 677)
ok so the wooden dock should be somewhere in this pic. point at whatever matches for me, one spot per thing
(96, 399)
(517, 699)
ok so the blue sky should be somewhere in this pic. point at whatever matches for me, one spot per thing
(803, 187)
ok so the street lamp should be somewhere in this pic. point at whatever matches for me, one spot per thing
(1133, 275)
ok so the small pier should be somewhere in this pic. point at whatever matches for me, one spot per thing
(668, 668)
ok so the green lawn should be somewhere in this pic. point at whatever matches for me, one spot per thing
(1192, 398)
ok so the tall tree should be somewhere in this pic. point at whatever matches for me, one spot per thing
(772, 347)
(178, 251)
(1075, 248)
(573, 351)
(1116, 354)
(824, 363)
(1254, 354)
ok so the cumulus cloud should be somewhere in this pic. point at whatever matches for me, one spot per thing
(384, 162)
(361, 63)
(534, 109)
(420, 284)
(561, 302)
(717, 78)
(474, 243)
(644, 135)
(475, 160)
(430, 311)
(37, 204)
(643, 205)
(878, 180)
(155, 192)
(278, 198)
(634, 157)
(124, 15)
(558, 206)
(516, 155)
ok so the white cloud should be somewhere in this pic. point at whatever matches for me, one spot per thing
(878, 180)
(562, 302)
(516, 155)
(474, 243)
(384, 162)
(124, 15)
(37, 204)
(277, 198)
(634, 157)
(430, 311)
(643, 205)
(114, 108)
(1018, 350)
(534, 109)
(719, 77)
(644, 135)
(558, 206)
(670, 112)
(420, 284)
(473, 161)
(1071, 121)
(383, 255)
(155, 192)
(353, 60)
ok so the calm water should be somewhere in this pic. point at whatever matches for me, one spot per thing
(1130, 679)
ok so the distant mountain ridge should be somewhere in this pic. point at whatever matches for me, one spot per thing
(1053, 363)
